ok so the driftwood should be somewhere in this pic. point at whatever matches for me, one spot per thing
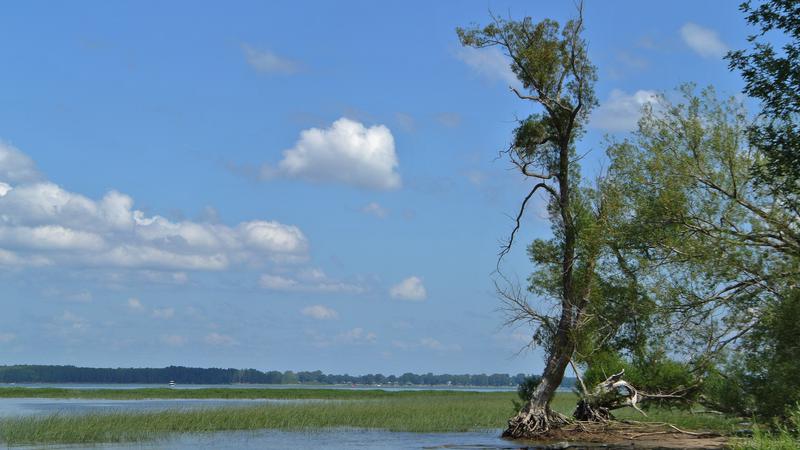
(615, 393)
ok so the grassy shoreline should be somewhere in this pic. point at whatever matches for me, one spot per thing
(238, 393)
(412, 411)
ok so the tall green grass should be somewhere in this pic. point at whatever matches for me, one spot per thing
(415, 411)
(785, 436)
(402, 414)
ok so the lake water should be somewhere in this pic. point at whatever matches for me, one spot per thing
(16, 407)
(261, 386)
(342, 439)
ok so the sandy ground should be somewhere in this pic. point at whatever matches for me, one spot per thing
(643, 439)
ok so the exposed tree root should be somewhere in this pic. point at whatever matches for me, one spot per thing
(534, 422)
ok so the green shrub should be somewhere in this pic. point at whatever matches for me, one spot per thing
(525, 391)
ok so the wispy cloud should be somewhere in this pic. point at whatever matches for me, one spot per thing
(409, 289)
(621, 111)
(449, 119)
(704, 41)
(320, 312)
(489, 63)
(163, 313)
(218, 339)
(311, 280)
(375, 209)
(266, 61)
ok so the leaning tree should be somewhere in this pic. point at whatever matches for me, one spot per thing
(556, 76)
(633, 261)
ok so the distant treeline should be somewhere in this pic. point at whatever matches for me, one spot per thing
(192, 375)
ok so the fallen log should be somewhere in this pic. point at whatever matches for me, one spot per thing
(615, 393)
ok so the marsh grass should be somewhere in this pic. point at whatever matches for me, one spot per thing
(414, 411)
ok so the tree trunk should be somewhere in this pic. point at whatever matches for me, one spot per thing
(536, 418)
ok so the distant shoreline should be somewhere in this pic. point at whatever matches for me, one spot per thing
(53, 374)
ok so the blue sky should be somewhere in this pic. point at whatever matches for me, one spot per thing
(288, 185)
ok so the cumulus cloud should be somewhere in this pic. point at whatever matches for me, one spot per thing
(347, 153)
(266, 61)
(489, 63)
(311, 280)
(42, 223)
(409, 289)
(375, 209)
(15, 167)
(622, 111)
(704, 41)
(320, 312)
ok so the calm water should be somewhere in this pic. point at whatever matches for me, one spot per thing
(345, 439)
(15, 407)
(261, 386)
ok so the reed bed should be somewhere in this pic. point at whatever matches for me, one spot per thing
(410, 411)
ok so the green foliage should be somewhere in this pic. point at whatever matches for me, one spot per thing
(545, 58)
(653, 373)
(193, 375)
(525, 391)
(772, 75)
(723, 390)
(782, 437)
(770, 360)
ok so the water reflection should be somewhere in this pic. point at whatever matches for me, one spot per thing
(341, 439)
(15, 407)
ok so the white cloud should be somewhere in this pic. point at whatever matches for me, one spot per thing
(5, 338)
(433, 344)
(622, 111)
(704, 41)
(10, 259)
(346, 153)
(134, 304)
(375, 209)
(220, 339)
(312, 280)
(490, 63)
(277, 282)
(164, 313)
(50, 237)
(73, 322)
(42, 223)
(173, 340)
(426, 343)
(15, 167)
(266, 61)
(356, 336)
(320, 312)
(409, 289)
